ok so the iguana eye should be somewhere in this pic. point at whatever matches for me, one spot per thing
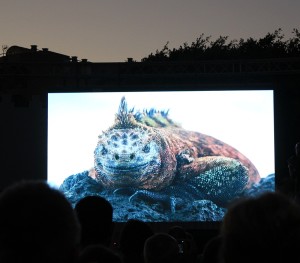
(146, 148)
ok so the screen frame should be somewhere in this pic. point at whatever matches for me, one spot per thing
(175, 88)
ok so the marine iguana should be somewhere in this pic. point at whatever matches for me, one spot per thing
(147, 155)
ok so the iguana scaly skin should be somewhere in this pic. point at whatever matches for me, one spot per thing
(151, 154)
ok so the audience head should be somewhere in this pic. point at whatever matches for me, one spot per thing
(211, 250)
(95, 215)
(37, 224)
(177, 232)
(262, 229)
(132, 239)
(161, 248)
(187, 246)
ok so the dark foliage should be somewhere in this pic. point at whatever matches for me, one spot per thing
(273, 45)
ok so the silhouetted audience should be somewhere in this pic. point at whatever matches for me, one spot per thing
(161, 248)
(37, 224)
(132, 240)
(187, 247)
(177, 232)
(211, 250)
(263, 229)
(98, 254)
(294, 172)
(95, 215)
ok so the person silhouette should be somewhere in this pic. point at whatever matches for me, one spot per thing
(188, 251)
(262, 229)
(161, 248)
(210, 253)
(37, 224)
(95, 215)
(132, 239)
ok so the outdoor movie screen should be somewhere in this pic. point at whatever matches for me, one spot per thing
(162, 156)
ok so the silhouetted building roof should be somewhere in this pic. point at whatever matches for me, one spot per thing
(16, 54)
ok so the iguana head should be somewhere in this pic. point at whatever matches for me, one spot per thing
(130, 154)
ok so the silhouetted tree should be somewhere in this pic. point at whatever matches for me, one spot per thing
(273, 45)
(4, 49)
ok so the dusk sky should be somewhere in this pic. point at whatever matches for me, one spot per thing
(113, 30)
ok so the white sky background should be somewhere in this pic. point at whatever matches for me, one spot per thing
(243, 119)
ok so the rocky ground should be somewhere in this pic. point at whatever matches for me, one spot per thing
(80, 185)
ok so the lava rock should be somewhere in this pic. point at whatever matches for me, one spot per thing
(77, 186)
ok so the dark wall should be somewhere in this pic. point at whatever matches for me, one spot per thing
(23, 137)
(287, 127)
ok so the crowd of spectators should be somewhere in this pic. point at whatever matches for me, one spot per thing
(38, 224)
